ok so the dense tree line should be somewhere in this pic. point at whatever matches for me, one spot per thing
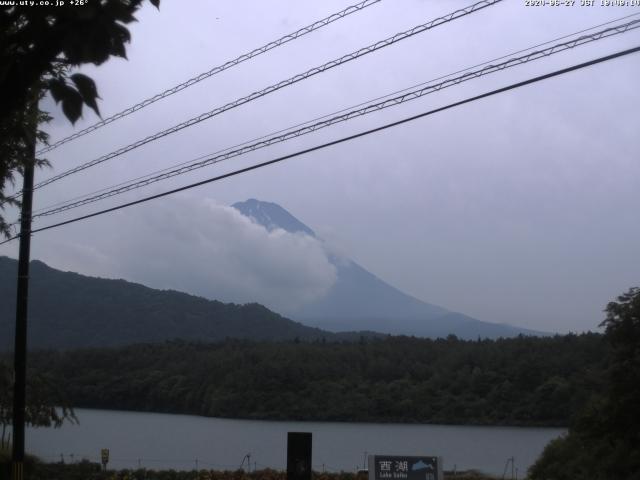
(520, 381)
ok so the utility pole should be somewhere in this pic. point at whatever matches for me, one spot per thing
(20, 349)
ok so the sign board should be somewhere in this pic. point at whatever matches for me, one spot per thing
(390, 467)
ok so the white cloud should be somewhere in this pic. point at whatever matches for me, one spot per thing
(200, 247)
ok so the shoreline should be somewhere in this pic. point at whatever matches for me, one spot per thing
(333, 421)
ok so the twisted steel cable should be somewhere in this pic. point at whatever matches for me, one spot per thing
(272, 88)
(215, 70)
(64, 202)
(397, 100)
(475, 98)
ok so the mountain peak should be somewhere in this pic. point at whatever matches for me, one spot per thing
(359, 300)
(271, 216)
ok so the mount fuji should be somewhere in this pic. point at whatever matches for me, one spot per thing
(360, 301)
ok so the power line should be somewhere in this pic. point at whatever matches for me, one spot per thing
(153, 177)
(95, 193)
(370, 108)
(272, 88)
(220, 68)
(342, 140)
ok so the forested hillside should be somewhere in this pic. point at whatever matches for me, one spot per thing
(520, 381)
(73, 311)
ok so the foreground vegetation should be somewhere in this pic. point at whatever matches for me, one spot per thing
(520, 381)
(603, 442)
(92, 471)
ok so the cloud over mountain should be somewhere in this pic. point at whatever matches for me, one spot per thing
(358, 300)
(207, 249)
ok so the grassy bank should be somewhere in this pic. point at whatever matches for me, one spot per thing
(36, 470)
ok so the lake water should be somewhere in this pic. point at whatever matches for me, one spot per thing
(161, 441)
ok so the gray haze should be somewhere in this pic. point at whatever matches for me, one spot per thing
(520, 208)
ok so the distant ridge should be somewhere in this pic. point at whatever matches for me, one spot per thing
(69, 310)
(361, 301)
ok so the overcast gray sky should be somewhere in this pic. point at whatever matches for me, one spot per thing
(521, 208)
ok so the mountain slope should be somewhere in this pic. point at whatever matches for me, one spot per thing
(361, 301)
(68, 310)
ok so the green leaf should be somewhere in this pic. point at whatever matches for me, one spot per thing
(121, 12)
(120, 36)
(118, 50)
(72, 104)
(57, 87)
(87, 88)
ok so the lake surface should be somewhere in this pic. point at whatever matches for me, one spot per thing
(162, 441)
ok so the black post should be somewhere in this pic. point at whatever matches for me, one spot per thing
(298, 456)
(20, 350)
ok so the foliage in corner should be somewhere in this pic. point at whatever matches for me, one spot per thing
(37, 41)
(47, 403)
(39, 45)
(15, 145)
(602, 443)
